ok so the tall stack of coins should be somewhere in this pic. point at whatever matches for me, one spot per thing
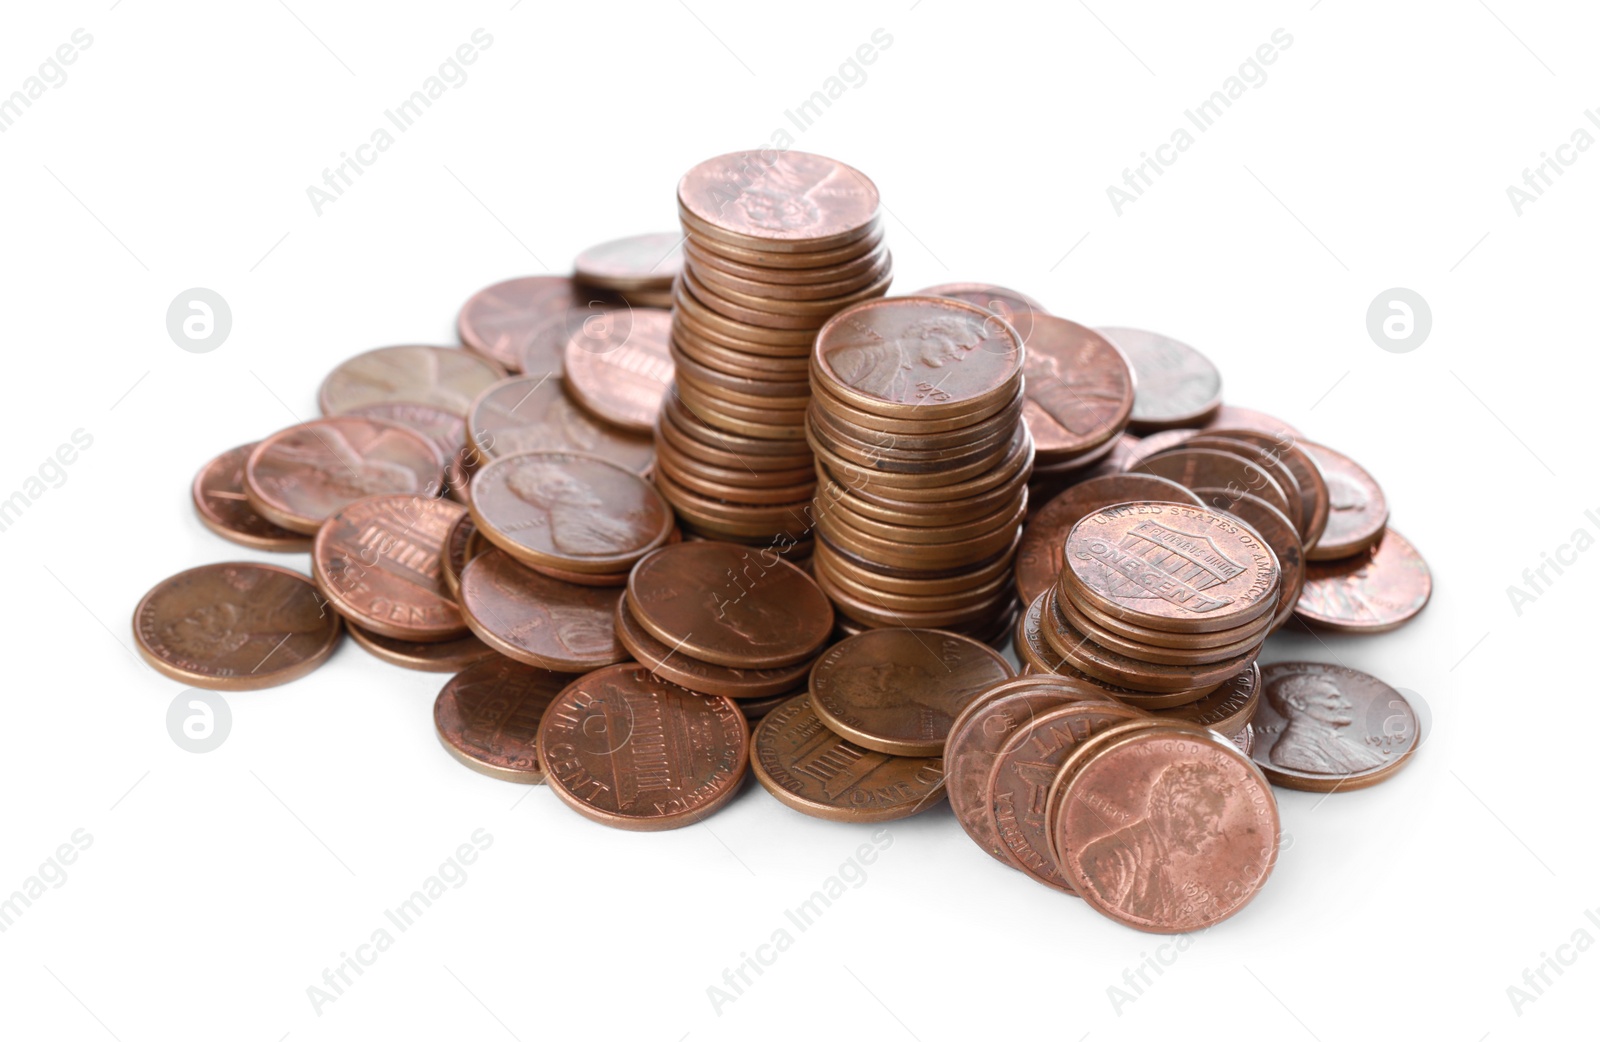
(923, 459)
(775, 244)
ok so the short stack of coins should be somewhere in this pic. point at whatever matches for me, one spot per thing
(923, 459)
(775, 244)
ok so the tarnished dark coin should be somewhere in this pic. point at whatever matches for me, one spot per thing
(235, 627)
(638, 262)
(1018, 309)
(897, 691)
(447, 377)
(1325, 728)
(435, 656)
(220, 500)
(1374, 591)
(300, 475)
(618, 366)
(730, 605)
(811, 769)
(532, 413)
(1040, 554)
(625, 748)
(705, 677)
(535, 619)
(488, 717)
(779, 200)
(1167, 832)
(379, 561)
(500, 322)
(1177, 385)
(1357, 509)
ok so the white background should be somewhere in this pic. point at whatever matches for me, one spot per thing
(1377, 154)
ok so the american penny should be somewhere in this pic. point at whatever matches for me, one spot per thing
(637, 262)
(1213, 468)
(300, 475)
(1028, 641)
(1040, 554)
(500, 322)
(1227, 710)
(811, 769)
(1278, 533)
(220, 500)
(445, 429)
(1079, 387)
(1325, 728)
(487, 717)
(1233, 417)
(434, 656)
(539, 620)
(1267, 460)
(1177, 385)
(1377, 590)
(1025, 767)
(898, 691)
(1179, 684)
(459, 548)
(618, 366)
(1357, 509)
(625, 748)
(779, 201)
(235, 627)
(447, 377)
(532, 413)
(705, 677)
(1308, 479)
(1139, 646)
(569, 511)
(730, 605)
(1168, 832)
(379, 561)
(1018, 309)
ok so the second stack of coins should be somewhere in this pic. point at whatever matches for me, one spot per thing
(775, 244)
(923, 459)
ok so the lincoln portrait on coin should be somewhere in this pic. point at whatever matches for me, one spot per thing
(901, 369)
(1314, 739)
(1131, 868)
(779, 198)
(578, 522)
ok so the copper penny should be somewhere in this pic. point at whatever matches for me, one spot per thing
(1032, 650)
(459, 548)
(435, 656)
(1040, 554)
(1238, 417)
(499, 322)
(756, 709)
(730, 605)
(638, 262)
(1018, 309)
(1227, 710)
(780, 200)
(378, 560)
(1268, 460)
(446, 430)
(220, 500)
(1171, 566)
(897, 691)
(1357, 509)
(625, 748)
(618, 366)
(1179, 683)
(1024, 768)
(811, 769)
(532, 413)
(569, 511)
(704, 677)
(1277, 532)
(539, 620)
(1168, 832)
(488, 717)
(300, 475)
(1308, 479)
(1177, 385)
(235, 627)
(1080, 389)
(1325, 728)
(1213, 468)
(446, 377)
(1375, 591)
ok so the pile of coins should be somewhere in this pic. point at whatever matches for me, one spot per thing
(923, 459)
(775, 245)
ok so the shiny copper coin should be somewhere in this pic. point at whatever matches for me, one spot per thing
(1276, 531)
(1168, 832)
(569, 511)
(1028, 641)
(539, 620)
(705, 677)
(786, 200)
(898, 691)
(764, 293)
(459, 548)
(730, 605)
(1308, 479)
(1377, 590)
(532, 413)
(447, 377)
(1269, 461)
(1227, 710)
(1135, 647)
(811, 769)
(1357, 508)
(1182, 683)
(825, 266)
(445, 429)
(435, 656)
(1019, 781)
(235, 627)
(830, 261)
(1233, 417)
(300, 475)
(625, 748)
(487, 717)
(1151, 444)
(1325, 728)
(499, 322)
(1087, 749)
(378, 561)
(220, 500)
(1018, 309)
(1213, 468)
(1172, 566)
(638, 262)
(1040, 554)
(618, 366)
(1177, 385)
